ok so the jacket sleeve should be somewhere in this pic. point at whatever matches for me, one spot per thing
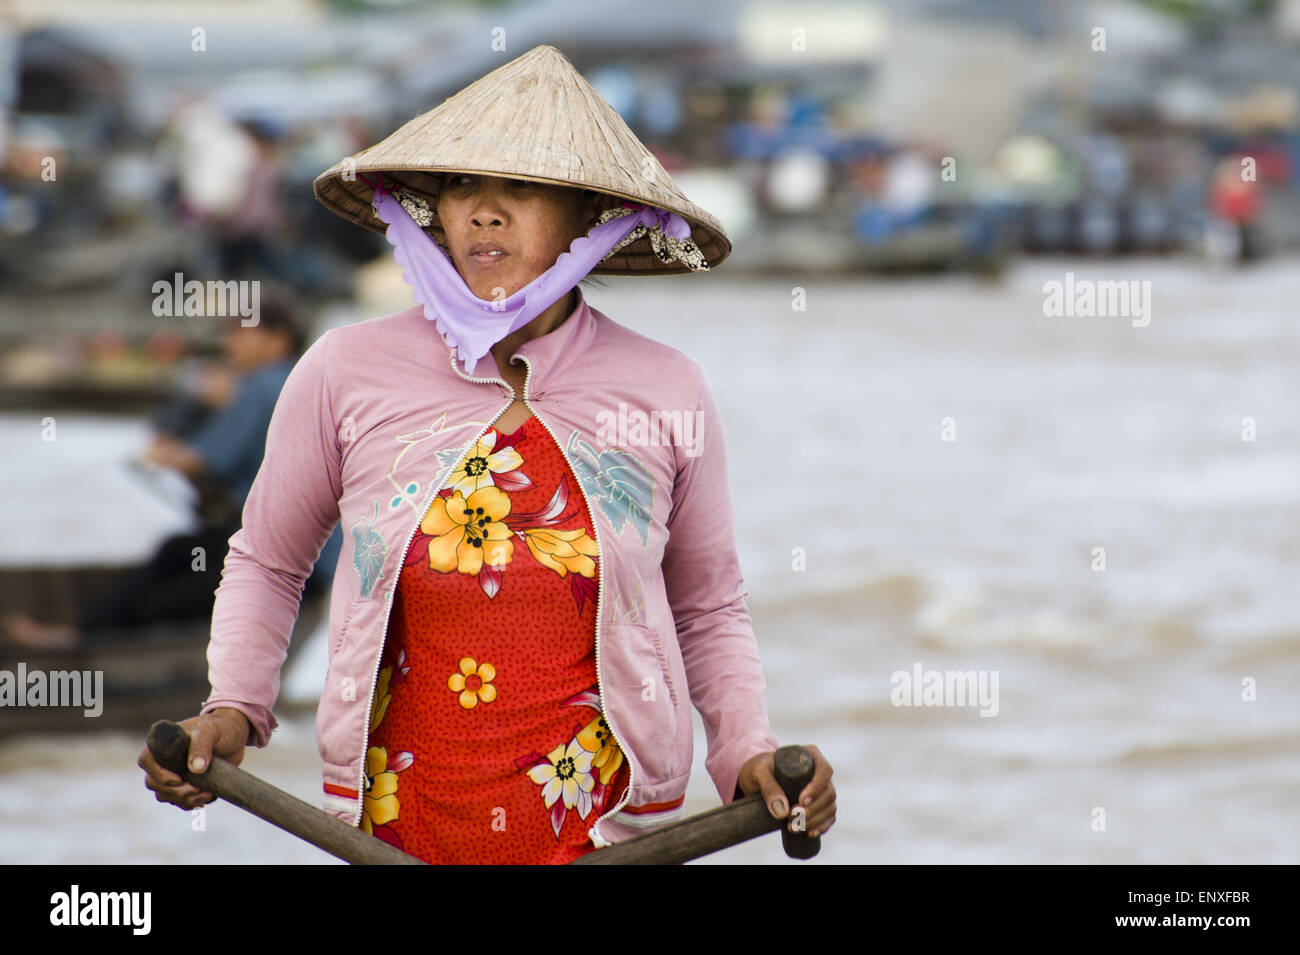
(703, 580)
(290, 511)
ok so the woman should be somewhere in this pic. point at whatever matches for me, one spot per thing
(536, 592)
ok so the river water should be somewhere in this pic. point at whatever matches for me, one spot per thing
(873, 545)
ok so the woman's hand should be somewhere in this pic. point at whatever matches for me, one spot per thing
(817, 798)
(169, 452)
(222, 732)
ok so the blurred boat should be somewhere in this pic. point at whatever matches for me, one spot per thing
(149, 673)
(104, 397)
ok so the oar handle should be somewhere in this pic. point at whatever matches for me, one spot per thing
(170, 746)
(720, 828)
(793, 768)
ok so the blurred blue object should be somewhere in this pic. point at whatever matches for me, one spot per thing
(753, 141)
(877, 223)
(1099, 229)
(805, 110)
(661, 110)
(616, 84)
(873, 223)
(1148, 223)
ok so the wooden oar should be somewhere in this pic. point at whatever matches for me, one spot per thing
(689, 839)
(728, 825)
(170, 745)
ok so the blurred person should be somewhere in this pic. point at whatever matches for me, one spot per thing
(247, 233)
(527, 614)
(221, 457)
(1237, 206)
(209, 157)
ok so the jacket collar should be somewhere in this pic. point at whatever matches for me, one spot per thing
(551, 354)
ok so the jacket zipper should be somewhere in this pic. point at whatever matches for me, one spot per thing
(434, 488)
(600, 604)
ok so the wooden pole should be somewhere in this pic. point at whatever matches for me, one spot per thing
(719, 828)
(170, 745)
(689, 839)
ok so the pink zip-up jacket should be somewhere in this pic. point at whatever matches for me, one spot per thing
(369, 425)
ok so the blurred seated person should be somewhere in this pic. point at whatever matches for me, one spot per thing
(220, 454)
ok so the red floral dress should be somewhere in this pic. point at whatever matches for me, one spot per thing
(487, 740)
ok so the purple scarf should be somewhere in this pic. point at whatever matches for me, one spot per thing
(470, 325)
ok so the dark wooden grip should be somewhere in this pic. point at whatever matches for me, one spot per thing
(793, 768)
(170, 745)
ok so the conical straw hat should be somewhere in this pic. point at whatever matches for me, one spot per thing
(533, 118)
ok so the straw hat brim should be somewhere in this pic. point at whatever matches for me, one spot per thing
(534, 118)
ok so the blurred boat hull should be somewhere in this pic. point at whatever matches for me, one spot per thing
(149, 672)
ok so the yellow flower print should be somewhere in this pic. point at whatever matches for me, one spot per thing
(379, 805)
(467, 532)
(476, 470)
(473, 683)
(596, 738)
(563, 551)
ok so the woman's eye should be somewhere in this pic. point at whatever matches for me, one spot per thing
(463, 180)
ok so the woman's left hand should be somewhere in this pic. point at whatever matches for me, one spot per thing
(817, 798)
(168, 452)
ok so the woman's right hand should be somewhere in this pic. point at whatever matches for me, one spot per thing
(223, 732)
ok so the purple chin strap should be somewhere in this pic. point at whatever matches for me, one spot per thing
(471, 325)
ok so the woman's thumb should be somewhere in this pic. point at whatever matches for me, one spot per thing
(201, 740)
(774, 796)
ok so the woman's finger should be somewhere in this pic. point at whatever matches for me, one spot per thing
(821, 778)
(819, 828)
(821, 810)
(155, 770)
(175, 790)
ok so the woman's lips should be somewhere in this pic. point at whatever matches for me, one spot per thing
(487, 259)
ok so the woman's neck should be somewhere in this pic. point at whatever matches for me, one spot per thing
(543, 324)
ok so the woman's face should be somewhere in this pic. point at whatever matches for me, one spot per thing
(530, 223)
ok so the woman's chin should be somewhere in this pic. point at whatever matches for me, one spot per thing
(490, 290)
(496, 293)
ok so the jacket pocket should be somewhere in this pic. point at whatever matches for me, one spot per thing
(664, 668)
(642, 702)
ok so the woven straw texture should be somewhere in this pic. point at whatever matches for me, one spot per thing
(534, 118)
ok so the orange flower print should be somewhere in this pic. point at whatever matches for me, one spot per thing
(596, 738)
(384, 687)
(379, 804)
(563, 551)
(473, 683)
(468, 532)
